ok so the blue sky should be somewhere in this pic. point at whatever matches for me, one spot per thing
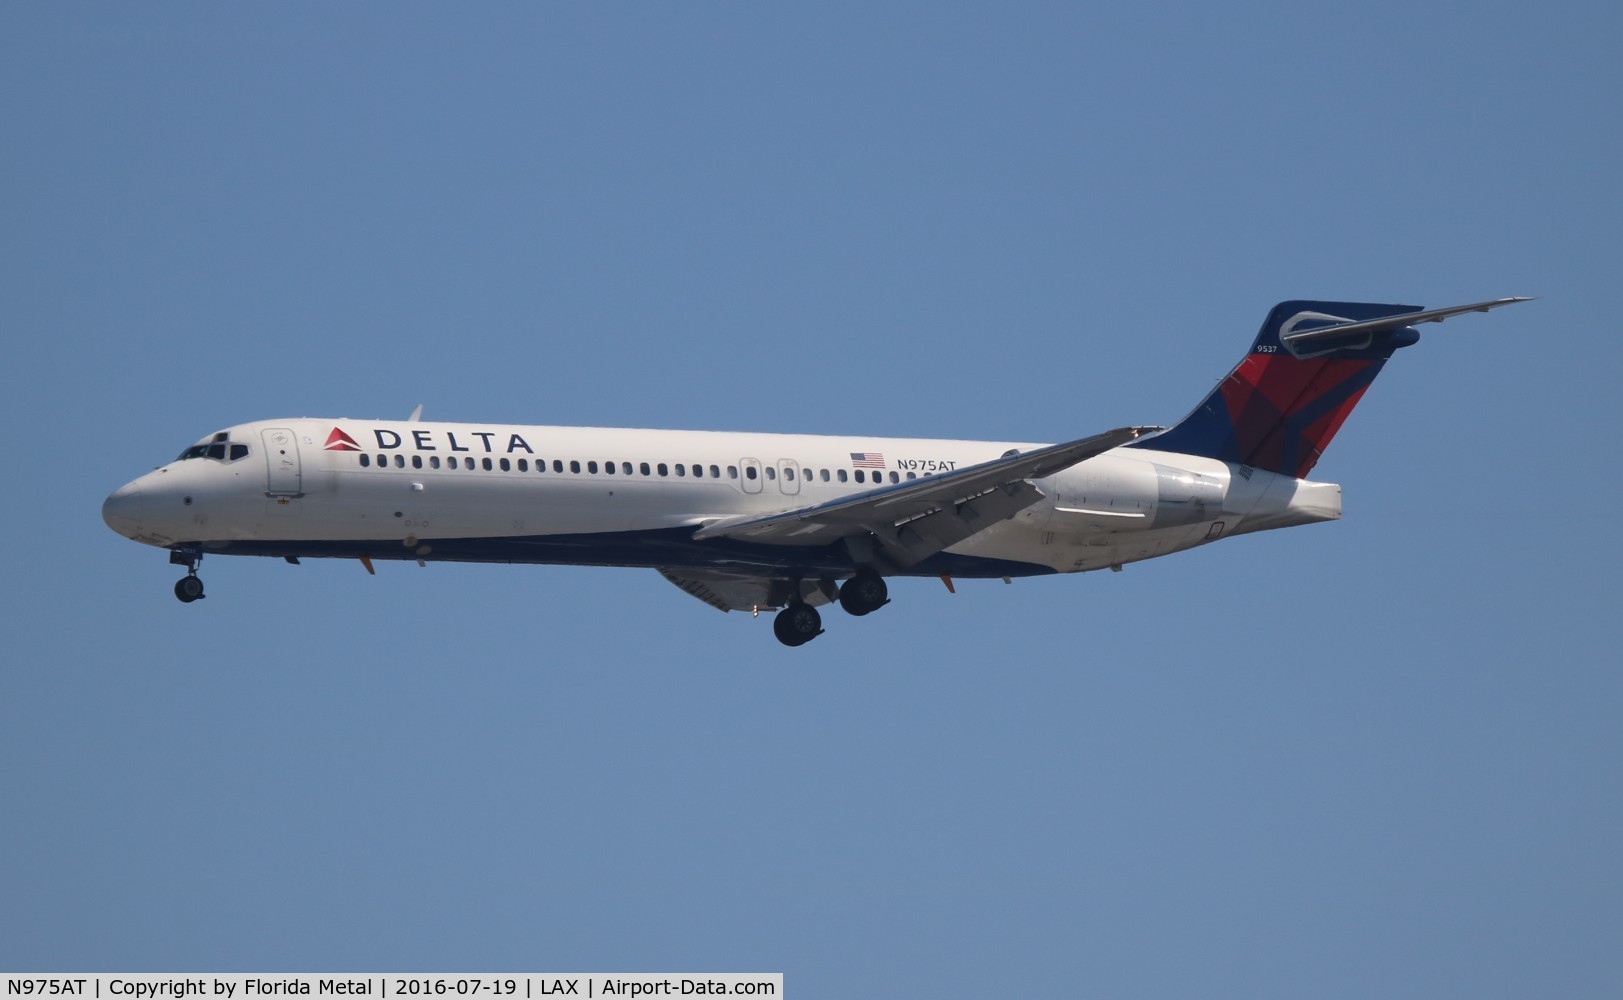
(1377, 757)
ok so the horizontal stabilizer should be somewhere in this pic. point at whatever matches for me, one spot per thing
(1299, 338)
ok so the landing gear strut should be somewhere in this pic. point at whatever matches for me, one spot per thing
(864, 593)
(188, 588)
(797, 624)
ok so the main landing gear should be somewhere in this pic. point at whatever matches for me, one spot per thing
(864, 593)
(799, 623)
(188, 588)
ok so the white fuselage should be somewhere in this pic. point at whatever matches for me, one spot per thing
(616, 496)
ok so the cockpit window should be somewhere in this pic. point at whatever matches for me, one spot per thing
(218, 449)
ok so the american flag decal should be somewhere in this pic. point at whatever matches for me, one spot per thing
(867, 460)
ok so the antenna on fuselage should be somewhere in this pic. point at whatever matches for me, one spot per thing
(416, 414)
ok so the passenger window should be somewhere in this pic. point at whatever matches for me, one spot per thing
(400, 461)
(239, 451)
(523, 465)
(895, 478)
(591, 467)
(574, 466)
(860, 477)
(912, 475)
(506, 465)
(366, 460)
(467, 463)
(789, 473)
(645, 470)
(840, 475)
(681, 470)
(715, 472)
(663, 471)
(486, 463)
(416, 461)
(771, 473)
(749, 472)
(558, 465)
(625, 468)
(433, 461)
(823, 475)
(698, 472)
(732, 472)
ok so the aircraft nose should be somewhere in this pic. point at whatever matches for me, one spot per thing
(122, 510)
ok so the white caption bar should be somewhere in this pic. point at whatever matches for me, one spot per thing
(379, 986)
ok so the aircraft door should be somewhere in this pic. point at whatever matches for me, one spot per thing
(284, 478)
(788, 476)
(750, 470)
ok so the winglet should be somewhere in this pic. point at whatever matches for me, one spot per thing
(416, 414)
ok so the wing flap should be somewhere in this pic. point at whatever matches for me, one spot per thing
(918, 538)
(742, 591)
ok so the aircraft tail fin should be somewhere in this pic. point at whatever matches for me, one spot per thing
(1309, 366)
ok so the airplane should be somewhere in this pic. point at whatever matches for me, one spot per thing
(785, 522)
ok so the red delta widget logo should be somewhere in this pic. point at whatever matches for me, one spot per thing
(339, 441)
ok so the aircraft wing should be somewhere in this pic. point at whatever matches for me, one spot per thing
(913, 520)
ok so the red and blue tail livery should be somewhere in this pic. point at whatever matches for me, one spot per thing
(791, 522)
(1309, 366)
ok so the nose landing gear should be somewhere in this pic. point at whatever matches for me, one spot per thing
(188, 588)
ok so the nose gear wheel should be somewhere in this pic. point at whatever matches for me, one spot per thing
(189, 588)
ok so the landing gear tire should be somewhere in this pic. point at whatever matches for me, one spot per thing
(189, 589)
(864, 594)
(797, 624)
